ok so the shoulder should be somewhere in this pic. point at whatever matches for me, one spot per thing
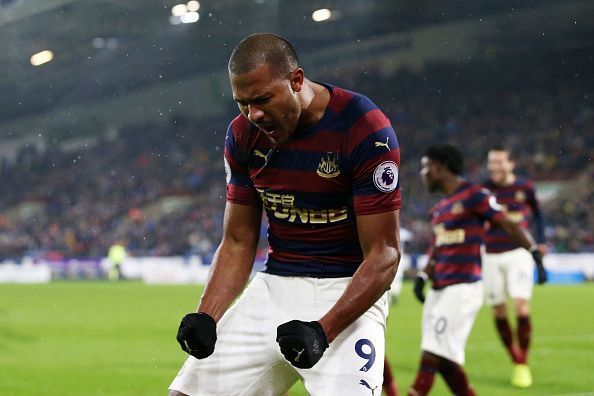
(239, 126)
(240, 131)
(351, 104)
(524, 183)
(470, 189)
(474, 193)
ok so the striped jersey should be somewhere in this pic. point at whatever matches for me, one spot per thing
(519, 201)
(314, 185)
(458, 223)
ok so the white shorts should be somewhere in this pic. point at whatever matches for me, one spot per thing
(448, 316)
(247, 359)
(508, 274)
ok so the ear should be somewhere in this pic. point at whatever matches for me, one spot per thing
(297, 77)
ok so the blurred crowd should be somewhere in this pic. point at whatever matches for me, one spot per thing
(76, 203)
(84, 201)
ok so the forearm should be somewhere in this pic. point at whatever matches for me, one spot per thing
(540, 228)
(368, 284)
(518, 235)
(230, 272)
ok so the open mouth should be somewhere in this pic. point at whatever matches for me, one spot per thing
(268, 129)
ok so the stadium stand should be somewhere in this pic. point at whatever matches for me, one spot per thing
(161, 186)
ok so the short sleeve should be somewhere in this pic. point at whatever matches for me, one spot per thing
(240, 189)
(374, 161)
(484, 204)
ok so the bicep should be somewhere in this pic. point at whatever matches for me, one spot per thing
(378, 232)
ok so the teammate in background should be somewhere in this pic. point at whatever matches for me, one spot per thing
(116, 256)
(507, 268)
(454, 266)
(323, 163)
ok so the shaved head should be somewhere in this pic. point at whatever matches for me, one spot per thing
(263, 48)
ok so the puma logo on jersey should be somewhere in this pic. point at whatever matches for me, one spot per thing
(386, 145)
(260, 154)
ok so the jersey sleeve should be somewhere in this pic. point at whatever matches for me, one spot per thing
(484, 204)
(240, 189)
(374, 161)
(537, 216)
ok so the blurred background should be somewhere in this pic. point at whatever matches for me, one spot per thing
(113, 113)
(112, 122)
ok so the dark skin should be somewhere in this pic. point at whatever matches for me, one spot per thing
(283, 105)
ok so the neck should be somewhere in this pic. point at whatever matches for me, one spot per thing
(507, 181)
(314, 99)
(450, 184)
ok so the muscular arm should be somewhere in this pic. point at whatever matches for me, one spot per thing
(233, 260)
(379, 236)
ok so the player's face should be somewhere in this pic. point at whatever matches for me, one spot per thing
(500, 166)
(430, 173)
(269, 101)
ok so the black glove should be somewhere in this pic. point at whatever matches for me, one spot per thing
(302, 343)
(541, 273)
(420, 285)
(197, 334)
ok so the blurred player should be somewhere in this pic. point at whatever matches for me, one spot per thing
(116, 255)
(507, 268)
(454, 266)
(306, 154)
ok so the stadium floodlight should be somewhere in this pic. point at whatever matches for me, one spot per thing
(193, 6)
(42, 57)
(322, 14)
(189, 17)
(179, 10)
(98, 42)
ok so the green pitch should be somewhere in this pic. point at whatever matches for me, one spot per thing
(119, 339)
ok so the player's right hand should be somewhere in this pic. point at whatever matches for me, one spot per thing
(541, 273)
(420, 286)
(197, 334)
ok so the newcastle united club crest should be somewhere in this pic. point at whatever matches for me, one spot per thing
(328, 166)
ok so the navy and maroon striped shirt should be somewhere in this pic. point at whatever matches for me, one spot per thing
(519, 201)
(458, 231)
(314, 185)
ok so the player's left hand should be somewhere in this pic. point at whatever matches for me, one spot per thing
(541, 272)
(302, 343)
(420, 286)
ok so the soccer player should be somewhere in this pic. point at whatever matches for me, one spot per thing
(116, 255)
(451, 306)
(322, 162)
(507, 268)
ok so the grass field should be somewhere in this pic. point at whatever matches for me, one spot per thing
(73, 338)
